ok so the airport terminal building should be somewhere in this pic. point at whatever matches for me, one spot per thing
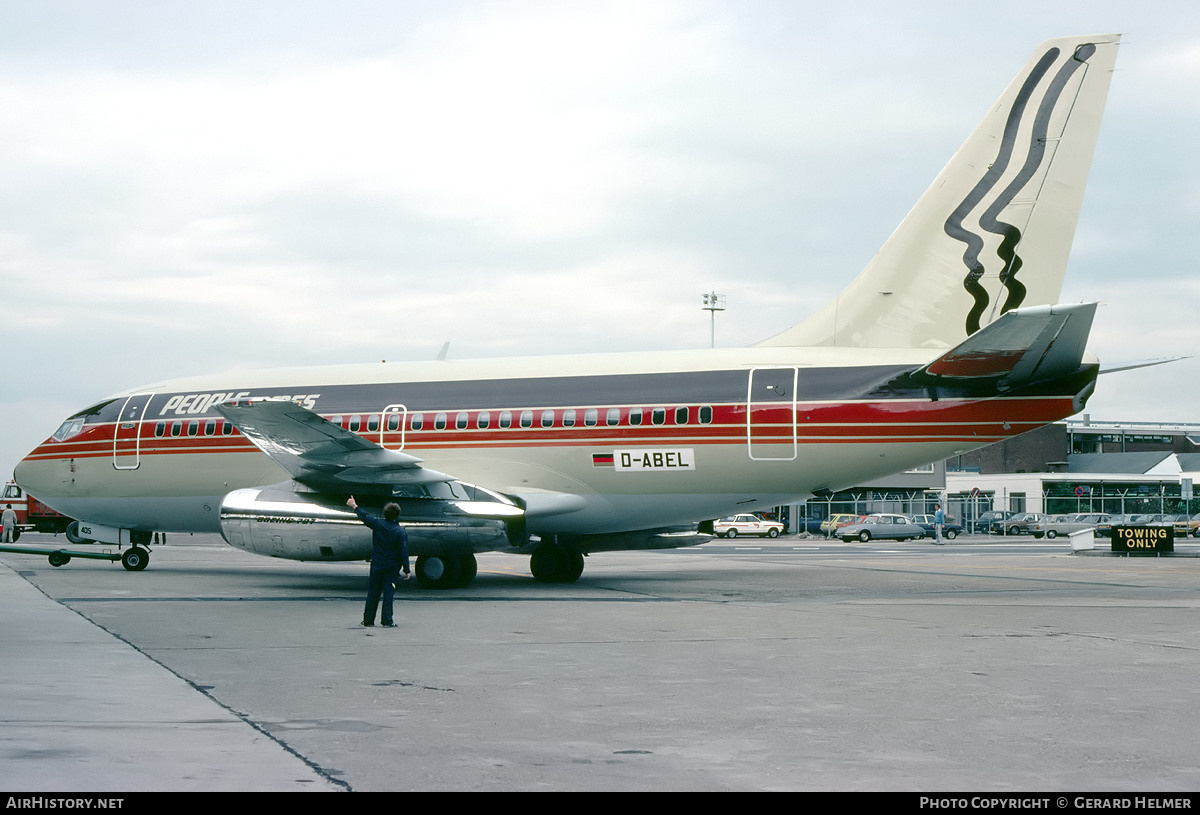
(1072, 466)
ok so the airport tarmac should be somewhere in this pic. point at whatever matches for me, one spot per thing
(781, 665)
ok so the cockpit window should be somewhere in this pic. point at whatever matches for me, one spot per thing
(69, 428)
(74, 425)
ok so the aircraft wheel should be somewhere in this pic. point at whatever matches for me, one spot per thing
(772, 533)
(468, 567)
(438, 571)
(555, 564)
(864, 536)
(72, 533)
(59, 559)
(135, 559)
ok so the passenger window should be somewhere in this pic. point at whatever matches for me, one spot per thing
(706, 414)
(483, 420)
(526, 418)
(591, 416)
(355, 424)
(506, 418)
(659, 416)
(210, 427)
(439, 421)
(393, 422)
(176, 428)
(547, 418)
(337, 420)
(569, 417)
(681, 415)
(461, 420)
(373, 423)
(193, 427)
(613, 417)
(418, 421)
(160, 429)
(635, 416)
(226, 428)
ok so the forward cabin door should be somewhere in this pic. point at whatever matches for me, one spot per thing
(391, 429)
(127, 441)
(771, 414)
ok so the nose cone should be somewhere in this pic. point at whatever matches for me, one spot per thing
(36, 477)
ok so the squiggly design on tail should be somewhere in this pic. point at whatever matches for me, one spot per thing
(1007, 251)
(954, 224)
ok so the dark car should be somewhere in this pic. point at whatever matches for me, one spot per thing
(993, 521)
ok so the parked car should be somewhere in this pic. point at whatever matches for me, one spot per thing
(993, 521)
(1055, 525)
(736, 525)
(1022, 523)
(950, 529)
(1104, 528)
(882, 525)
(837, 520)
(1179, 523)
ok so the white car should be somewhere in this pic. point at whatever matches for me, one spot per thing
(736, 525)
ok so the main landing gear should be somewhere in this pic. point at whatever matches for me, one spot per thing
(551, 563)
(451, 571)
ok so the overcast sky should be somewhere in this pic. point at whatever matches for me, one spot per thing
(190, 187)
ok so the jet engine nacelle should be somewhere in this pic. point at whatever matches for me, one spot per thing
(310, 526)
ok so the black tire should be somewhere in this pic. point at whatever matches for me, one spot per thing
(468, 567)
(949, 534)
(59, 559)
(555, 564)
(732, 533)
(135, 559)
(864, 536)
(1050, 533)
(772, 533)
(438, 571)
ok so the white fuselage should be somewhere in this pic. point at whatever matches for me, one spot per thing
(592, 444)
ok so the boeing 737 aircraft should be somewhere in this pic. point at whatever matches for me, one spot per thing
(949, 340)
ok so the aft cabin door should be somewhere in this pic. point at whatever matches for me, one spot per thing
(127, 442)
(391, 429)
(771, 414)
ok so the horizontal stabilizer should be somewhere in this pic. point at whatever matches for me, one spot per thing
(1022, 346)
(319, 453)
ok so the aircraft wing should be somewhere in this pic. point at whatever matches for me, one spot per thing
(321, 454)
(1022, 346)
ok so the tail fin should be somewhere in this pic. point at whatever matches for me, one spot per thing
(994, 230)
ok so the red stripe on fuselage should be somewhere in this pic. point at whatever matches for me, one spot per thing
(891, 421)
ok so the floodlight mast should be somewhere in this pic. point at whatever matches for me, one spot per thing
(712, 303)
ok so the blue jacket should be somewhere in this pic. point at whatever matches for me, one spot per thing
(389, 541)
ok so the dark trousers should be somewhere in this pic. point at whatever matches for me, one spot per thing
(381, 582)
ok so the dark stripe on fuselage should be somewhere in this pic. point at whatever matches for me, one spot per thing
(680, 388)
